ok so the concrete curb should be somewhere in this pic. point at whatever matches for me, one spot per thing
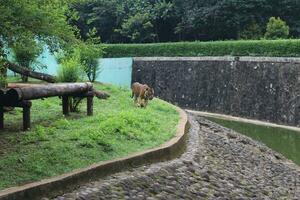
(68, 182)
(239, 119)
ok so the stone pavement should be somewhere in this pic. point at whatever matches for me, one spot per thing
(218, 164)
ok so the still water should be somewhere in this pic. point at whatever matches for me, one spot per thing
(284, 141)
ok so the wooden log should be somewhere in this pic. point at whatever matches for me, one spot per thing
(22, 85)
(101, 94)
(90, 105)
(27, 72)
(26, 115)
(65, 105)
(1, 117)
(44, 91)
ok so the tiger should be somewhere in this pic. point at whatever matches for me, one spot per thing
(142, 93)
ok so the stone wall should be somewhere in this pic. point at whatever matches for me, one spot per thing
(261, 88)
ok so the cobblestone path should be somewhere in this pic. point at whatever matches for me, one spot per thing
(218, 164)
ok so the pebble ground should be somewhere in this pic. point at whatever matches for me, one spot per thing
(218, 164)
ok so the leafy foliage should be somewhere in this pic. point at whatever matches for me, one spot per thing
(26, 50)
(126, 21)
(138, 28)
(290, 48)
(70, 69)
(277, 29)
(139, 21)
(28, 20)
(252, 32)
(89, 52)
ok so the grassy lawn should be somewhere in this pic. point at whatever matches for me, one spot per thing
(284, 141)
(56, 145)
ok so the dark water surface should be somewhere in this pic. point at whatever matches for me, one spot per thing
(284, 141)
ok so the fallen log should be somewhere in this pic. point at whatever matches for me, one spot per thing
(22, 85)
(101, 94)
(27, 72)
(14, 95)
(41, 76)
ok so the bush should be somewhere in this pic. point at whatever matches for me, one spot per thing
(277, 29)
(288, 48)
(69, 70)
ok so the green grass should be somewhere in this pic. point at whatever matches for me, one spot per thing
(56, 145)
(284, 48)
(284, 141)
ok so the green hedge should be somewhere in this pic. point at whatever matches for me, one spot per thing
(284, 48)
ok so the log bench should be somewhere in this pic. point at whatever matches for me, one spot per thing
(22, 96)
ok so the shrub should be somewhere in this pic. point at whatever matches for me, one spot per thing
(289, 48)
(69, 70)
(276, 29)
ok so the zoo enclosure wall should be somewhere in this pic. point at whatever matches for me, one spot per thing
(263, 88)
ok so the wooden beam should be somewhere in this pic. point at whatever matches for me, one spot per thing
(14, 95)
(90, 105)
(26, 115)
(65, 105)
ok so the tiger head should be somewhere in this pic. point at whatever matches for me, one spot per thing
(149, 93)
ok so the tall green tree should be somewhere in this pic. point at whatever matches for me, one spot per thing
(175, 20)
(277, 29)
(26, 50)
(44, 20)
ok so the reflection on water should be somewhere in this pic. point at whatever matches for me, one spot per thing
(284, 141)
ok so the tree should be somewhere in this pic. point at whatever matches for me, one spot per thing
(174, 20)
(26, 50)
(104, 15)
(277, 29)
(111, 18)
(138, 28)
(89, 52)
(44, 20)
(251, 32)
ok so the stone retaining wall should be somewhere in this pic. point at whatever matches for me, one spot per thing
(253, 87)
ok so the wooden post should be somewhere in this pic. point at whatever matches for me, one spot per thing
(90, 105)
(26, 115)
(1, 117)
(65, 105)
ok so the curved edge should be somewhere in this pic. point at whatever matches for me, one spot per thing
(69, 181)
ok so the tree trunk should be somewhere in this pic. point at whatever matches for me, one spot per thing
(27, 72)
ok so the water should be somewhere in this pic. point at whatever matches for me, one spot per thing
(284, 141)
